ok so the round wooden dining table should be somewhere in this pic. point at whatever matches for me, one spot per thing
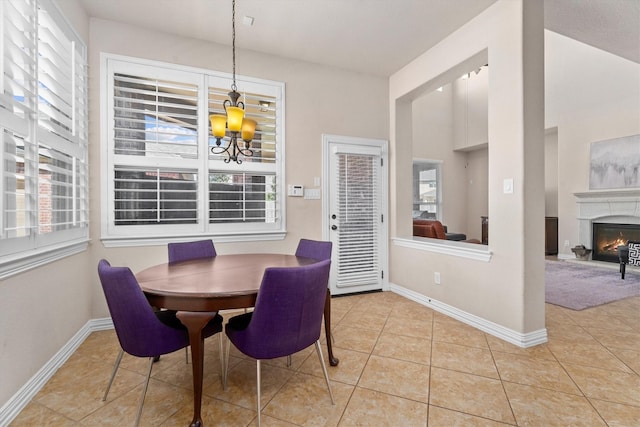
(197, 289)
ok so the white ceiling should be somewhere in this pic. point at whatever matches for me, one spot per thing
(371, 36)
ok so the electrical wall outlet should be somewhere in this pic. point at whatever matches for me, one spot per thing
(436, 278)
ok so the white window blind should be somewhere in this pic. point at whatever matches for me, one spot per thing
(359, 216)
(163, 178)
(43, 123)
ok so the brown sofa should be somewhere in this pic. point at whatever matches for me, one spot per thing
(435, 230)
(429, 228)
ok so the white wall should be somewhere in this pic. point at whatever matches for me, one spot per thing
(591, 95)
(470, 110)
(508, 290)
(432, 136)
(440, 120)
(551, 172)
(477, 180)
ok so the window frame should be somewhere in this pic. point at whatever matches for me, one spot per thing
(427, 164)
(154, 234)
(54, 135)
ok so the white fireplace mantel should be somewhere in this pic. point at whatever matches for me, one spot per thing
(610, 206)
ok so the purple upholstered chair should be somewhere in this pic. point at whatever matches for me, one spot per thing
(286, 319)
(315, 249)
(184, 251)
(141, 331)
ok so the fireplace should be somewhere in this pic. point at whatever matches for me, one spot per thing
(607, 237)
(610, 207)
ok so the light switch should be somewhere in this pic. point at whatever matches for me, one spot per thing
(507, 186)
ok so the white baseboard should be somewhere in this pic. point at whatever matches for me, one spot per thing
(516, 338)
(27, 392)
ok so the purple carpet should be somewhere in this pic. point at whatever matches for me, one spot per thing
(578, 286)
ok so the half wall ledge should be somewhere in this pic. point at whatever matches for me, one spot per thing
(446, 247)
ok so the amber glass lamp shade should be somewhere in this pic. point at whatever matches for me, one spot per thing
(248, 129)
(234, 118)
(218, 125)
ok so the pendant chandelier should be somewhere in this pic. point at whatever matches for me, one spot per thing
(233, 121)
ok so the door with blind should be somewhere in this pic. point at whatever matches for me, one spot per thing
(354, 208)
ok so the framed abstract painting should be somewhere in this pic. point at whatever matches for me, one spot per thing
(615, 163)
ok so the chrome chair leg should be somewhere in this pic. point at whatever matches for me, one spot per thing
(258, 388)
(324, 370)
(113, 374)
(226, 366)
(288, 361)
(222, 363)
(144, 392)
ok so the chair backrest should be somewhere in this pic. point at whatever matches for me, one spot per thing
(184, 251)
(439, 229)
(634, 252)
(288, 313)
(314, 249)
(138, 329)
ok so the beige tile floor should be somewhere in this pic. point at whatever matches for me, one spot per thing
(401, 364)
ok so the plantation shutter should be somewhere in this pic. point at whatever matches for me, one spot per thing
(249, 196)
(17, 105)
(43, 127)
(358, 219)
(155, 123)
(62, 133)
(155, 196)
(242, 197)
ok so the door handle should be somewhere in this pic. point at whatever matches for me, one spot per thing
(334, 227)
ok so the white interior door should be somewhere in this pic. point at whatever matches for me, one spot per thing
(354, 208)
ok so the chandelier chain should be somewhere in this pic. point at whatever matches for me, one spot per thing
(233, 41)
(242, 127)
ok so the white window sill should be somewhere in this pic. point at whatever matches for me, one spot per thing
(10, 266)
(120, 242)
(473, 251)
